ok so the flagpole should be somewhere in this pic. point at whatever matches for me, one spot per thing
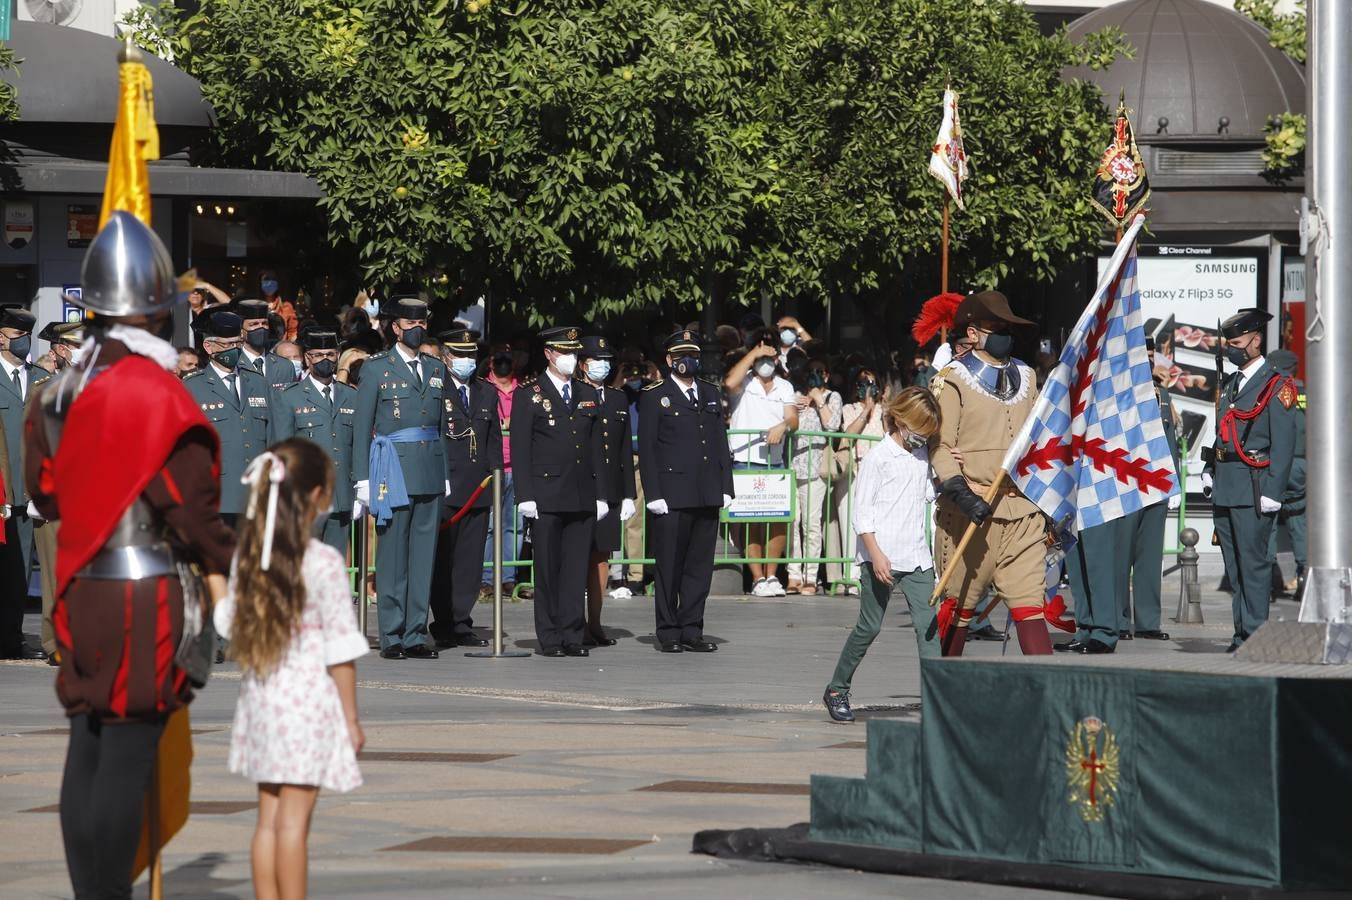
(943, 278)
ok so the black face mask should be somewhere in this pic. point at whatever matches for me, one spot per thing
(502, 365)
(228, 359)
(1236, 355)
(686, 366)
(20, 346)
(324, 368)
(412, 338)
(816, 380)
(998, 345)
(257, 339)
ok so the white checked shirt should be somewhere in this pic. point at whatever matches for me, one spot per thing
(890, 496)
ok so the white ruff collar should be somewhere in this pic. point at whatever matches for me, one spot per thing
(142, 343)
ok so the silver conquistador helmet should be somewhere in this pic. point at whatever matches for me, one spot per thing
(127, 270)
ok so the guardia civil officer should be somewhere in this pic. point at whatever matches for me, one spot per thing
(17, 378)
(1249, 466)
(614, 476)
(65, 339)
(1293, 501)
(555, 458)
(322, 409)
(258, 343)
(234, 399)
(687, 476)
(399, 464)
(472, 435)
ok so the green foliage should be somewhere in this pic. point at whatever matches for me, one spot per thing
(1286, 31)
(9, 95)
(585, 158)
(1284, 155)
(1285, 152)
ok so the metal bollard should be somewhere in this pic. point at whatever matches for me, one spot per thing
(497, 652)
(363, 529)
(1189, 592)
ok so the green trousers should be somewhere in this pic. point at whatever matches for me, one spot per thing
(915, 587)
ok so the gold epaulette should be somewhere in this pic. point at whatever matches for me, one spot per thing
(658, 383)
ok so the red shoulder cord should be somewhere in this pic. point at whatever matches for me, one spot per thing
(1230, 431)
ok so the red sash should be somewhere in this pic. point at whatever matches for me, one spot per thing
(118, 434)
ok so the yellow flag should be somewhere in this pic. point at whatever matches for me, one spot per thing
(167, 798)
(135, 140)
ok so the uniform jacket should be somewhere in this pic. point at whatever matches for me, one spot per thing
(1273, 434)
(11, 418)
(683, 450)
(301, 411)
(555, 450)
(278, 371)
(389, 399)
(615, 474)
(242, 426)
(473, 440)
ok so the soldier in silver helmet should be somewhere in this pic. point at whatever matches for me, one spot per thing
(136, 506)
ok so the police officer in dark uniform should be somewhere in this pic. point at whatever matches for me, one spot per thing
(614, 477)
(399, 463)
(472, 435)
(687, 476)
(555, 455)
(235, 399)
(258, 342)
(322, 409)
(1249, 466)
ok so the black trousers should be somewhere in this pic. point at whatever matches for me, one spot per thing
(683, 543)
(102, 801)
(457, 573)
(15, 560)
(562, 542)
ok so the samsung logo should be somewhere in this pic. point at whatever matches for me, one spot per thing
(1230, 268)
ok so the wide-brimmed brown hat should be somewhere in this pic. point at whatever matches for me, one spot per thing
(986, 306)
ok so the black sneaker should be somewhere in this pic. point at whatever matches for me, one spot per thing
(838, 705)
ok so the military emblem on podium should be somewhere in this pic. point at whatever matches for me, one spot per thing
(1093, 765)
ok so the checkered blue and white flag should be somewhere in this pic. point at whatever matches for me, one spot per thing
(1094, 449)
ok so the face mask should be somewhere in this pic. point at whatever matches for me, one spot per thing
(765, 369)
(566, 363)
(914, 441)
(269, 287)
(788, 337)
(228, 358)
(325, 368)
(76, 354)
(502, 365)
(20, 346)
(295, 364)
(816, 380)
(634, 383)
(598, 369)
(412, 338)
(257, 339)
(998, 345)
(686, 366)
(463, 367)
(1237, 355)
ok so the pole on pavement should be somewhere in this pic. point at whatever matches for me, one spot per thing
(497, 652)
(363, 529)
(1326, 238)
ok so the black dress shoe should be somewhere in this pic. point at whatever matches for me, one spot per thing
(670, 647)
(422, 651)
(838, 705)
(699, 646)
(1232, 648)
(27, 652)
(985, 633)
(52, 660)
(575, 650)
(552, 652)
(470, 640)
(1068, 647)
(598, 639)
(392, 653)
(445, 643)
(1153, 635)
(1124, 635)
(1094, 645)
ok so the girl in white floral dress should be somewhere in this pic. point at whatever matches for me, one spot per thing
(291, 628)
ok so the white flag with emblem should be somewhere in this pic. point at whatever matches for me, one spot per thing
(948, 162)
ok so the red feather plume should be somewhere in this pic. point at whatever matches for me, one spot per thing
(936, 314)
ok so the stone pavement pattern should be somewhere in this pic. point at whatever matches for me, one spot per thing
(553, 749)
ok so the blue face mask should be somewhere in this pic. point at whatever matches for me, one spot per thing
(463, 367)
(788, 337)
(269, 286)
(598, 369)
(296, 365)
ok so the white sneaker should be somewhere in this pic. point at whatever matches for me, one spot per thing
(621, 593)
(776, 588)
(762, 588)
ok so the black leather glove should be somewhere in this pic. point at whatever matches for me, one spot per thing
(972, 506)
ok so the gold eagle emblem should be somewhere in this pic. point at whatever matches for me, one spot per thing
(1092, 768)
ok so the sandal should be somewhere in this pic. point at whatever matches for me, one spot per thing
(807, 589)
(794, 587)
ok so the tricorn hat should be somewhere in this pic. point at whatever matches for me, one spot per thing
(1245, 321)
(12, 315)
(986, 306)
(315, 339)
(406, 308)
(62, 332)
(564, 337)
(218, 321)
(251, 309)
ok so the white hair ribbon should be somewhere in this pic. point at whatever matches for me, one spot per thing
(252, 474)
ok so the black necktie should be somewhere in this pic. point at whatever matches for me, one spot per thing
(694, 401)
(600, 396)
(230, 383)
(464, 398)
(258, 365)
(413, 364)
(18, 383)
(327, 395)
(567, 395)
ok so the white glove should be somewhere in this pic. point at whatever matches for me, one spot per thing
(529, 510)
(358, 510)
(658, 507)
(363, 489)
(602, 508)
(727, 500)
(1175, 501)
(1265, 505)
(1206, 484)
(626, 509)
(33, 512)
(448, 488)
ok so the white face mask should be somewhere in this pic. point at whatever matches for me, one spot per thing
(566, 363)
(765, 369)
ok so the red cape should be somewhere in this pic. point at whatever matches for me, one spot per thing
(126, 422)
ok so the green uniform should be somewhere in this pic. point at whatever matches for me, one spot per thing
(390, 399)
(1252, 462)
(237, 406)
(1293, 501)
(16, 553)
(278, 372)
(1145, 531)
(302, 410)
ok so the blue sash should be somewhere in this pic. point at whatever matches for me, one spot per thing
(387, 476)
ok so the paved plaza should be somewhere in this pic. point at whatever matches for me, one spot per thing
(548, 778)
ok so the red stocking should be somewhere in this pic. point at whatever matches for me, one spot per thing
(1033, 638)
